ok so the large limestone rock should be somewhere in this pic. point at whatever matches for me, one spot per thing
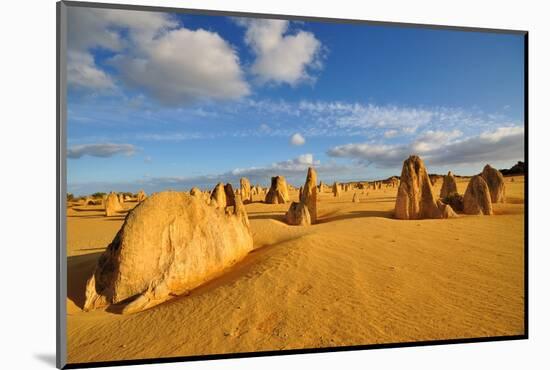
(298, 214)
(141, 196)
(477, 198)
(415, 197)
(246, 193)
(120, 198)
(229, 195)
(278, 192)
(449, 186)
(218, 196)
(336, 189)
(495, 182)
(308, 194)
(169, 244)
(112, 205)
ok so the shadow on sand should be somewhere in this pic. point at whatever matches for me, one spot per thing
(120, 217)
(329, 217)
(266, 216)
(353, 214)
(79, 270)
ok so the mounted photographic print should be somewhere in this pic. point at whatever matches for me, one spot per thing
(235, 184)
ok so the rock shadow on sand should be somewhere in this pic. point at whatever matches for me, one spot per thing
(79, 270)
(354, 214)
(267, 216)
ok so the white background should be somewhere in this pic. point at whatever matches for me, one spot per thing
(27, 184)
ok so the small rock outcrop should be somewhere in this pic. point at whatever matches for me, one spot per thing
(495, 182)
(308, 194)
(184, 244)
(298, 214)
(336, 189)
(415, 197)
(355, 198)
(112, 205)
(246, 193)
(322, 187)
(141, 196)
(278, 192)
(449, 186)
(477, 198)
(229, 195)
(218, 198)
(88, 201)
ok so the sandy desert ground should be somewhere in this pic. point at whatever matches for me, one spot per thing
(356, 277)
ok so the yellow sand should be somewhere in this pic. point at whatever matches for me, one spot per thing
(357, 277)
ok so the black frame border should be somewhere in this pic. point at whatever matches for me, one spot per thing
(61, 264)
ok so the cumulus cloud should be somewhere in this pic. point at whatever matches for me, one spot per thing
(102, 28)
(83, 73)
(104, 150)
(173, 64)
(441, 148)
(297, 139)
(208, 69)
(281, 56)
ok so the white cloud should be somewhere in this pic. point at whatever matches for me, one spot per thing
(91, 28)
(173, 64)
(356, 115)
(431, 140)
(391, 134)
(101, 28)
(285, 168)
(380, 154)
(502, 133)
(297, 139)
(440, 148)
(103, 150)
(82, 72)
(184, 66)
(264, 128)
(281, 57)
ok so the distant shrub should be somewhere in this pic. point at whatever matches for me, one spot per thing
(70, 197)
(456, 201)
(98, 195)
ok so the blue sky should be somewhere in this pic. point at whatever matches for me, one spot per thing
(169, 101)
